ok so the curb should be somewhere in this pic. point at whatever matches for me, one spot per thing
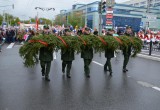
(156, 58)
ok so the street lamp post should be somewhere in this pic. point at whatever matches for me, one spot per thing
(86, 15)
(4, 11)
(43, 9)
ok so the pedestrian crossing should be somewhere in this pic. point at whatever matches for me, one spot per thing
(10, 45)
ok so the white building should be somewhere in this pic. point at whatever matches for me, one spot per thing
(142, 3)
(123, 15)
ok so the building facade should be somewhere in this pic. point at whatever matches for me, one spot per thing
(142, 3)
(123, 15)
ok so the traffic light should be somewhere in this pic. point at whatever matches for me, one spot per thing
(100, 7)
(103, 6)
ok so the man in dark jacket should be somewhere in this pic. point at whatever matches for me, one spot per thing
(109, 53)
(87, 55)
(67, 56)
(127, 51)
(45, 57)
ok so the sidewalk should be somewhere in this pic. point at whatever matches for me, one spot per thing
(147, 56)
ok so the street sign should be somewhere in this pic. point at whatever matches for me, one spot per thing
(109, 22)
(108, 27)
(109, 11)
(109, 15)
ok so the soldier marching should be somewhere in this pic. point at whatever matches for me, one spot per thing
(68, 53)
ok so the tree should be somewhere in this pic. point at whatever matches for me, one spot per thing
(17, 20)
(1, 19)
(76, 19)
(45, 21)
(59, 20)
(10, 19)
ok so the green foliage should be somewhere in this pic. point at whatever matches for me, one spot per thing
(29, 50)
(10, 19)
(45, 21)
(136, 45)
(58, 20)
(76, 19)
(1, 19)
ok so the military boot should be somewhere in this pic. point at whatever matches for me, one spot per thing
(47, 78)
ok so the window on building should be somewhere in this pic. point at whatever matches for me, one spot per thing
(121, 11)
(151, 5)
(142, 6)
(136, 4)
(91, 9)
(90, 21)
(133, 22)
(157, 4)
(142, 3)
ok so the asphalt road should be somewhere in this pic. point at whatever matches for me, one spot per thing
(24, 88)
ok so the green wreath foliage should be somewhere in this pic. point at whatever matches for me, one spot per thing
(136, 45)
(30, 50)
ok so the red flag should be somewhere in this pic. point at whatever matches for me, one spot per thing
(37, 22)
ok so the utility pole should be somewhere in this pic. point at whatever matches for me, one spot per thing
(147, 24)
(37, 21)
(86, 15)
(147, 13)
(100, 17)
(4, 19)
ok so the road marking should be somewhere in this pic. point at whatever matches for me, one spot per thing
(97, 63)
(156, 88)
(145, 84)
(10, 45)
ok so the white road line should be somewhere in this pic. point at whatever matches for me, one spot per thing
(145, 84)
(97, 63)
(10, 45)
(156, 88)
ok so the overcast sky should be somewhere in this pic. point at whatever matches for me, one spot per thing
(26, 8)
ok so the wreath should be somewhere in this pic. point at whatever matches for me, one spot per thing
(30, 49)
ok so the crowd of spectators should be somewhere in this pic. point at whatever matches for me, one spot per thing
(13, 34)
